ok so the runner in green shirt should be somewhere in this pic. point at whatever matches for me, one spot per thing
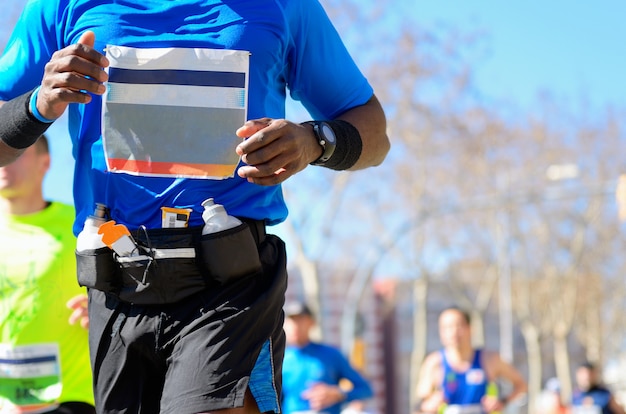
(44, 359)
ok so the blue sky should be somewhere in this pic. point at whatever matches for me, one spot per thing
(574, 50)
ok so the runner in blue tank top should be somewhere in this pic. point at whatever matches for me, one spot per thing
(456, 378)
(466, 387)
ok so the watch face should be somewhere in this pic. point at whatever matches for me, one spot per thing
(327, 140)
(328, 133)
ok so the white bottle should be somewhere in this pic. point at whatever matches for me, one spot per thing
(216, 219)
(88, 238)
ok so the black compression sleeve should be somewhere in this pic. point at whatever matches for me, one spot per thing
(348, 146)
(19, 129)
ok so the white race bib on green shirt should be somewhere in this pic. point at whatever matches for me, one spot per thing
(30, 378)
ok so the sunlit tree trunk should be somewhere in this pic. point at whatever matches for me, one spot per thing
(531, 337)
(420, 334)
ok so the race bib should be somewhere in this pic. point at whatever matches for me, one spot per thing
(464, 409)
(173, 112)
(475, 376)
(586, 409)
(30, 378)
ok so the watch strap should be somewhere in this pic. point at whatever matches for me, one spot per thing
(328, 146)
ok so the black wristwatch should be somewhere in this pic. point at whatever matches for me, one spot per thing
(326, 138)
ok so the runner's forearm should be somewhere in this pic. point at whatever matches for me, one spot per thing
(19, 129)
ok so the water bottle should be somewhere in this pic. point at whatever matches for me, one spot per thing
(88, 238)
(216, 219)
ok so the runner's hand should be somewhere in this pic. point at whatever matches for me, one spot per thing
(492, 404)
(275, 149)
(70, 74)
(78, 304)
(432, 403)
(322, 395)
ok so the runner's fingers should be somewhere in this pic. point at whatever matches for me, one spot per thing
(270, 159)
(265, 154)
(76, 65)
(77, 301)
(254, 175)
(257, 141)
(252, 126)
(80, 313)
(63, 96)
(277, 178)
(73, 81)
(267, 132)
(82, 51)
(68, 88)
(77, 315)
(273, 147)
(275, 170)
(84, 322)
(68, 76)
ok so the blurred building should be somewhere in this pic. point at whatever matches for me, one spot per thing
(368, 355)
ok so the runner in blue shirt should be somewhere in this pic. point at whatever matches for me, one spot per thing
(312, 371)
(590, 396)
(171, 103)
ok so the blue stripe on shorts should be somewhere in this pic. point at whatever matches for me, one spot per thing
(262, 384)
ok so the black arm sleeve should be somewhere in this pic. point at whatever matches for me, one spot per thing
(348, 147)
(19, 129)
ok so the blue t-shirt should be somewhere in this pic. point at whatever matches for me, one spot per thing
(293, 46)
(464, 388)
(318, 363)
(595, 396)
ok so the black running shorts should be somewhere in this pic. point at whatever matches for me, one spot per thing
(199, 354)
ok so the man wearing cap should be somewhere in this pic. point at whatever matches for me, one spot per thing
(312, 371)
